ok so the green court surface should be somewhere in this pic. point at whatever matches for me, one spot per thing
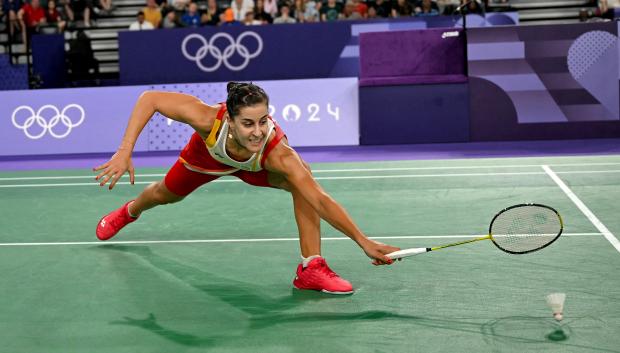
(213, 273)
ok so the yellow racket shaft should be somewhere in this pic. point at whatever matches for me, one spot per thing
(417, 251)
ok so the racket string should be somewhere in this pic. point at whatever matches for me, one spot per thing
(525, 228)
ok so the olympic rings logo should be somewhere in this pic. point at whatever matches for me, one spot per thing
(57, 118)
(222, 56)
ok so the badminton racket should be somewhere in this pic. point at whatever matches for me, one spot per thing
(518, 229)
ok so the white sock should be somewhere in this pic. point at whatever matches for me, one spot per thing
(128, 212)
(306, 260)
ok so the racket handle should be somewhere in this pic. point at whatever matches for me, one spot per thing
(407, 252)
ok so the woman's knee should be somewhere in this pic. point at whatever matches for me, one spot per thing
(162, 195)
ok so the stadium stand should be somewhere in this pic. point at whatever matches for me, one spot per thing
(104, 31)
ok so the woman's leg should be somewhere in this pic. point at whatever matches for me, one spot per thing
(313, 274)
(307, 219)
(153, 195)
(178, 183)
(308, 224)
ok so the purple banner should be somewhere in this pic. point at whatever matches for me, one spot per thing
(58, 121)
(321, 112)
(429, 56)
(541, 82)
(563, 73)
(303, 51)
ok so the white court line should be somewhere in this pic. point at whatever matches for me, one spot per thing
(94, 183)
(586, 211)
(250, 240)
(340, 170)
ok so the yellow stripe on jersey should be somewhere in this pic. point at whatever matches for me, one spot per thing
(211, 139)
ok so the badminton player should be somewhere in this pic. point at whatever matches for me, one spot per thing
(240, 139)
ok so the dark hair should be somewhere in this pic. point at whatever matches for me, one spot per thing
(241, 95)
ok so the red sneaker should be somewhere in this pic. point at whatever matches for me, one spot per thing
(113, 222)
(318, 276)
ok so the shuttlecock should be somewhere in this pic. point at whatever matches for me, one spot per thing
(556, 303)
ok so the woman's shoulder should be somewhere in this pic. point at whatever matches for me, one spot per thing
(208, 115)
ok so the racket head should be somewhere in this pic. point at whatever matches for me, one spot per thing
(525, 228)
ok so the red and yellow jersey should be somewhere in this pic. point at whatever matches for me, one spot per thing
(209, 156)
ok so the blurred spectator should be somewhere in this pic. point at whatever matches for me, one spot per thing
(191, 18)
(179, 5)
(52, 16)
(240, 7)
(106, 6)
(227, 17)
(81, 57)
(349, 12)
(447, 7)
(260, 13)
(311, 11)
(250, 20)
(299, 7)
(141, 23)
(402, 9)
(604, 10)
(306, 11)
(473, 7)
(332, 11)
(211, 16)
(170, 20)
(584, 15)
(152, 13)
(426, 8)
(30, 16)
(11, 8)
(284, 17)
(382, 7)
(372, 13)
(361, 8)
(82, 8)
(271, 7)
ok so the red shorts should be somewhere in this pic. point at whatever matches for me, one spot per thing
(182, 181)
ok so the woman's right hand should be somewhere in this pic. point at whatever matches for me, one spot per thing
(114, 169)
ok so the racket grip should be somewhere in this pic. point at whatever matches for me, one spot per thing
(407, 252)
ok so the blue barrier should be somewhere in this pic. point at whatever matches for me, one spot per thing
(12, 76)
(243, 53)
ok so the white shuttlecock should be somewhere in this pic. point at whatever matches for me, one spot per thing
(556, 303)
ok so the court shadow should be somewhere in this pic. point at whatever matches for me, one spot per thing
(247, 297)
(263, 310)
(558, 335)
(527, 331)
(184, 339)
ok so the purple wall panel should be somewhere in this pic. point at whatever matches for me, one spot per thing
(410, 57)
(562, 86)
(321, 112)
(318, 112)
(58, 121)
(407, 114)
(263, 52)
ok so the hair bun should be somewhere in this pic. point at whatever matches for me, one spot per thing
(233, 86)
(242, 94)
(230, 86)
